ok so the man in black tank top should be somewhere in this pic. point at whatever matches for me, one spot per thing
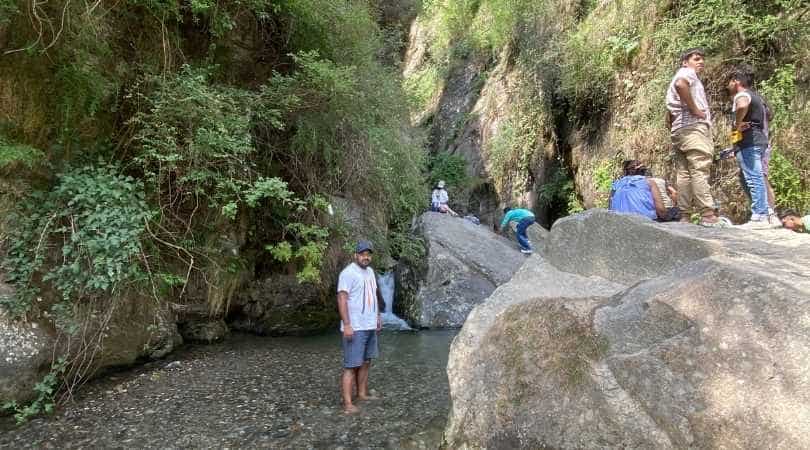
(750, 138)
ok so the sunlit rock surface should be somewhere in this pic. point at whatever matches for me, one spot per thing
(701, 339)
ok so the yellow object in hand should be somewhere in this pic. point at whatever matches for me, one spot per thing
(736, 136)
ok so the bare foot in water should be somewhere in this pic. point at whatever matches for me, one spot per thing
(350, 409)
(370, 397)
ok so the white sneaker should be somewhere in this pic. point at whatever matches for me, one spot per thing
(756, 225)
(774, 221)
(526, 252)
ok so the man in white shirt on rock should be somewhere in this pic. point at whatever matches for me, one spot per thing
(689, 121)
(360, 325)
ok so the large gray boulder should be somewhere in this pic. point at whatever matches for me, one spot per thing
(139, 328)
(497, 359)
(599, 242)
(25, 356)
(464, 264)
(704, 352)
(136, 328)
(25, 353)
(203, 331)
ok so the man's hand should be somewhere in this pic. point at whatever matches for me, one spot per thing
(673, 194)
(343, 310)
(682, 88)
(699, 114)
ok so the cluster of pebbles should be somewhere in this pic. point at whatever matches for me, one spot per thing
(250, 392)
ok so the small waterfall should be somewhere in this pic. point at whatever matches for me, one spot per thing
(385, 283)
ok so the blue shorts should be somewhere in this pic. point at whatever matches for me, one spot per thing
(361, 348)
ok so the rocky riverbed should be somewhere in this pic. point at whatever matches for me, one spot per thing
(256, 392)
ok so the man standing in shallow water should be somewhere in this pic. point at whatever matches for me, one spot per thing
(360, 325)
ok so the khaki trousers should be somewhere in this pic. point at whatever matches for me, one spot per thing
(692, 153)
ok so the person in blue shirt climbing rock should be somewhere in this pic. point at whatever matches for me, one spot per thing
(524, 218)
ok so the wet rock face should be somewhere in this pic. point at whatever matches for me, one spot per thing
(136, 329)
(204, 331)
(464, 264)
(280, 305)
(710, 352)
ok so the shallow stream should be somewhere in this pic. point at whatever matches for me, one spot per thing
(250, 392)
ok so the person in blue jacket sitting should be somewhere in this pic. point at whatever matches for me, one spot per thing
(524, 219)
(638, 193)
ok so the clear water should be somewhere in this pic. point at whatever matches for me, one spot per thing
(256, 392)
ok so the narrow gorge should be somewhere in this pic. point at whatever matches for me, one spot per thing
(181, 181)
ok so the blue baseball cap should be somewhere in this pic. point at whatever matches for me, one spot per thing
(363, 246)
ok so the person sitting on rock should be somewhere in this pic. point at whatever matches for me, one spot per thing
(793, 221)
(524, 218)
(439, 200)
(637, 193)
(668, 197)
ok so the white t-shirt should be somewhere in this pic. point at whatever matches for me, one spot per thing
(736, 97)
(361, 285)
(439, 197)
(681, 116)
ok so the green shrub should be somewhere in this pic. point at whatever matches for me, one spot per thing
(449, 23)
(603, 176)
(197, 150)
(45, 393)
(787, 184)
(407, 247)
(422, 85)
(308, 253)
(335, 146)
(161, 9)
(501, 155)
(344, 32)
(498, 23)
(448, 167)
(319, 102)
(717, 25)
(83, 90)
(195, 140)
(514, 152)
(558, 193)
(83, 238)
(8, 9)
(622, 48)
(589, 66)
(586, 82)
(25, 155)
(780, 90)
